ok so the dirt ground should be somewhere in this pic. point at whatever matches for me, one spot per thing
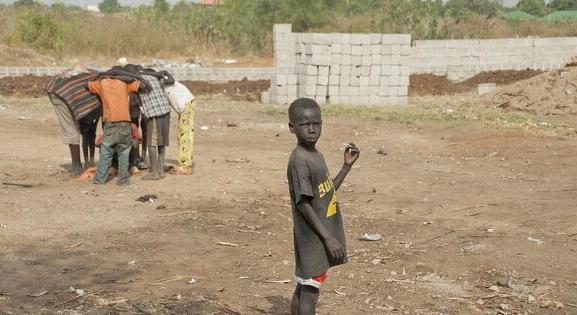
(475, 219)
(430, 84)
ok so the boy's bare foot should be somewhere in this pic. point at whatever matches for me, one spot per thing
(76, 171)
(180, 171)
(151, 176)
(89, 173)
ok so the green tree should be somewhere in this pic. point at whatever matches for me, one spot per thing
(563, 5)
(40, 30)
(109, 6)
(483, 7)
(535, 7)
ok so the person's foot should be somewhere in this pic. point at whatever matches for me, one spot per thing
(141, 164)
(151, 176)
(89, 173)
(76, 171)
(125, 183)
(180, 171)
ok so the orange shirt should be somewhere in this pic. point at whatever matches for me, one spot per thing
(114, 96)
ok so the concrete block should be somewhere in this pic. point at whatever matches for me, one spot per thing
(366, 60)
(281, 99)
(281, 90)
(335, 69)
(374, 80)
(406, 50)
(354, 91)
(336, 48)
(321, 38)
(405, 70)
(356, 50)
(345, 70)
(364, 71)
(344, 100)
(321, 60)
(354, 80)
(323, 71)
(396, 50)
(346, 49)
(386, 50)
(335, 59)
(384, 81)
(387, 70)
(345, 79)
(365, 39)
(376, 59)
(376, 38)
(281, 79)
(333, 90)
(346, 60)
(357, 60)
(306, 38)
(375, 49)
(364, 82)
(374, 90)
(334, 79)
(265, 97)
(363, 100)
(395, 70)
(346, 38)
(310, 89)
(375, 69)
(292, 79)
(344, 90)
(322, 90)
(312, 70)
(387, 39)
(356, 39)
(356, 71)
(402, 90)
(404, 80)
(374, 100)
(394, 81)
(282, 28)
(321, 100)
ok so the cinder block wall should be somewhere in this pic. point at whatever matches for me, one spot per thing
(350, 69)
(461, 59)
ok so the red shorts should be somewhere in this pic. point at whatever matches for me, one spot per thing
(316, 281)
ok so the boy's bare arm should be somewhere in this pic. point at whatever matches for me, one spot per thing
(352, 153)
(332, 245)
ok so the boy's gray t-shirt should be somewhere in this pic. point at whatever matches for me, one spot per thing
(308, 177)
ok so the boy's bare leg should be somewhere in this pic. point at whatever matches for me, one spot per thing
(295, 303)
(161, 151)
(308, 300)
(153, 167)
(76, 161)
(92, 147)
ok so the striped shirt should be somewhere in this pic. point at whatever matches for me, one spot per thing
(74, 91)
(154, 103)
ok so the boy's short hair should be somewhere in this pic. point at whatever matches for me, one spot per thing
(301, 104)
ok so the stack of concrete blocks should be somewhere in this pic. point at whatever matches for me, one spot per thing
(283, 88)
(354, 69)
(461, 59)
(348, 69)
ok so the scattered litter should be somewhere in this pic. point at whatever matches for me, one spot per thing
(178, 297)
(494, 288)
(428, 222)
(382, 152)
(104, 302)
(203, 127)
(536, 240)
(191, 281)
(79, 292)
(231, 125)
(371, 237)
(229, 61)
(160, 207)
(376, 261)
(278, 281)
(2, 107)
(147, 198)
(37, 294)
(227, 244)
(3, 226)
(491, 230)
(74, 245)
(285, 262)
(132, 262)
(170, 279)
(23, 118)
(339, 292)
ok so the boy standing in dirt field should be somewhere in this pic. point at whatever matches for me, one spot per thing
(319, 238)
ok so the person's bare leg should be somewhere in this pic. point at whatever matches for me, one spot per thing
(153, 167)
(161, 151)
(76, 161)
(86, 149)
(296, 300)
(308, 300)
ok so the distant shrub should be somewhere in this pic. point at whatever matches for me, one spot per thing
(40, 30)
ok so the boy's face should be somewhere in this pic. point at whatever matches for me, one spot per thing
(307, 126)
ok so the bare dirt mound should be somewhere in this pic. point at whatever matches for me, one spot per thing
(430, 84)
(13, 56)
(28, 85)
(551, 93)
(243, 90)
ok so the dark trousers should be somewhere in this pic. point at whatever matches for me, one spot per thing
(117, 139)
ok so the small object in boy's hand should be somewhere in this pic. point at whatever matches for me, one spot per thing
(371, 237)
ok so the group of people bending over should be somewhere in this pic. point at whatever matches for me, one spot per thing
(126, 98)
